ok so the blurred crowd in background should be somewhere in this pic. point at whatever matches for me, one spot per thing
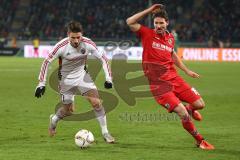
(210, 21)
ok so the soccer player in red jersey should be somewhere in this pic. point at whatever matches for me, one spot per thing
(158, 59)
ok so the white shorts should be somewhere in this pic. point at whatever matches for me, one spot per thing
(68, 88)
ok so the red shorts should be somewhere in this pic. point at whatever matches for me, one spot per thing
(170, 93)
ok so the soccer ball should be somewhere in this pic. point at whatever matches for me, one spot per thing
(84, 138)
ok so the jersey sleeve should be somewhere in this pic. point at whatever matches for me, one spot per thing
(102, 57)
(172, 39)
(142, 32)
(54, 53)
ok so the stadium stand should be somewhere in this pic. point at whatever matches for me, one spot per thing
(201, 21)
(7, 13)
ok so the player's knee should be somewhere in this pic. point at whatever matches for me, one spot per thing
(67, 99)
(200, 104)
(95, 102)
(65, 110)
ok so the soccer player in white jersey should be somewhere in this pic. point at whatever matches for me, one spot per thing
(72, 53)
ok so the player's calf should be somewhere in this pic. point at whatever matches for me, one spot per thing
(187, 122)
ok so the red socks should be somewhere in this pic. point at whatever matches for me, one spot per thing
(189, 126)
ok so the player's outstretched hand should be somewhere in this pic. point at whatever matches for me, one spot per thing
(192, 74)
(108, 85)
(156, 8)
(39, 91)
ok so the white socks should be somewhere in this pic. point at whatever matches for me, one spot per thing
(101, 117)
(55, 119)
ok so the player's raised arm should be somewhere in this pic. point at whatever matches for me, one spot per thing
(132, 21)
(44, 68)
(178, 62)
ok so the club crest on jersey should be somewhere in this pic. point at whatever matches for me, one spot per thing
(170, 41)
(83, 50)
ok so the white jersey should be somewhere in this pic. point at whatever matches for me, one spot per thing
(72, 60)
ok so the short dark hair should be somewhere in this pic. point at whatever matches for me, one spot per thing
(162, 14)
(74, 26)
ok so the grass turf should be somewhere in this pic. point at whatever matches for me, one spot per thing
(24, 119)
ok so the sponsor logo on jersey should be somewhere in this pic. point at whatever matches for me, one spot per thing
(161, 46)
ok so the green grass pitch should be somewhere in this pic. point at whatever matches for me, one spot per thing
(24, 119)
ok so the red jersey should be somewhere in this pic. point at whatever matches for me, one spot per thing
(157, 54)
